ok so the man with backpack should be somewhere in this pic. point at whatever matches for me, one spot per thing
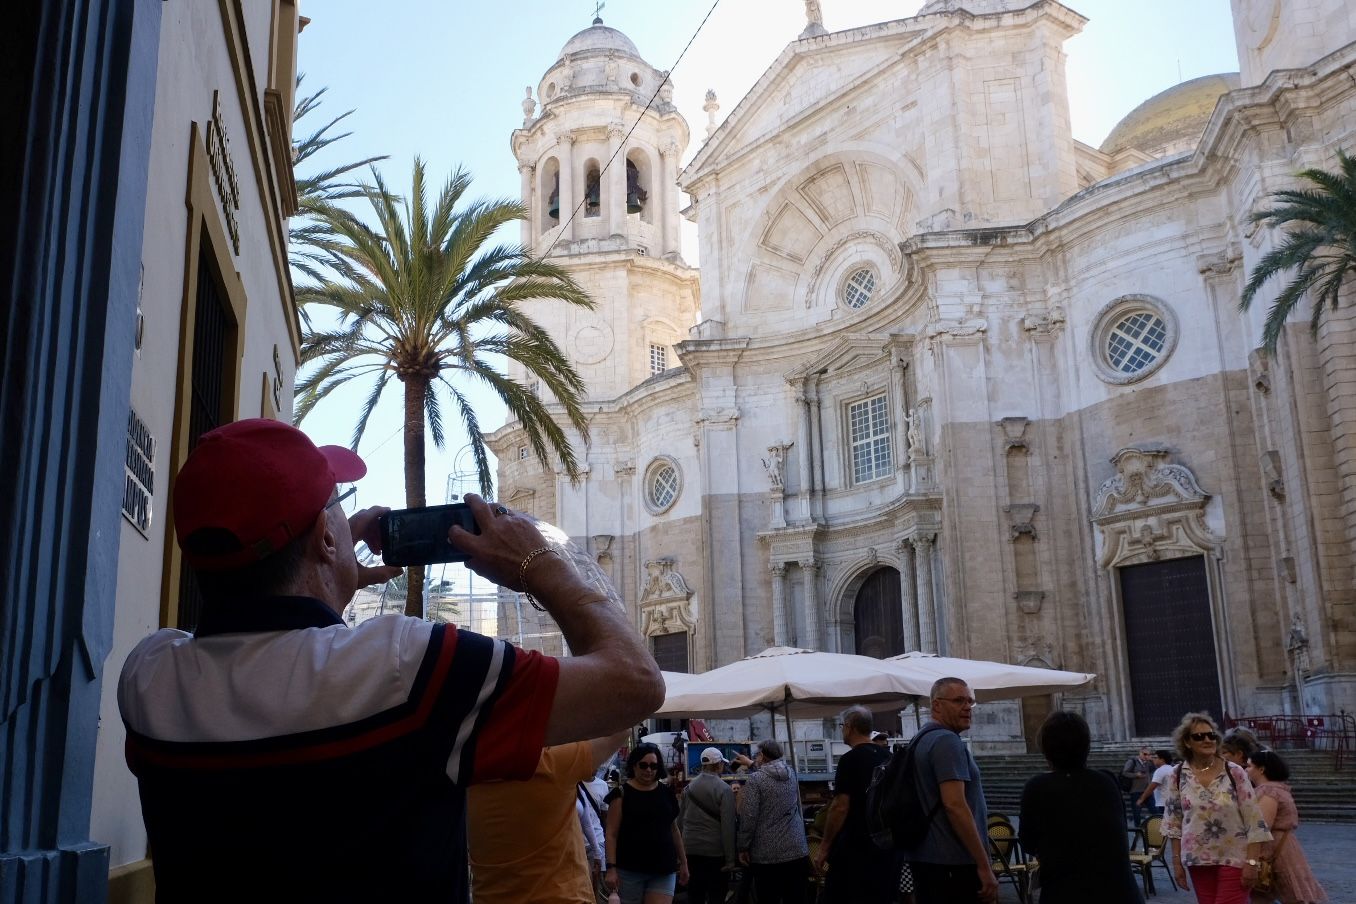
(859, 872)
(950, 864)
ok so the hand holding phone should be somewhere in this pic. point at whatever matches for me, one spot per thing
(419, 536)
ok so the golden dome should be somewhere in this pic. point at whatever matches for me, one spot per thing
(1172, 121)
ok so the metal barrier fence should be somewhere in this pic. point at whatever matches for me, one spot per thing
(1336, 733)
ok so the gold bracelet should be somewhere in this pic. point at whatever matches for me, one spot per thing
(522, 576)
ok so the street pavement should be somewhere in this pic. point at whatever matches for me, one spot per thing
(1331, 850)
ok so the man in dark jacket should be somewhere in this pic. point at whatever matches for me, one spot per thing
(707, 820)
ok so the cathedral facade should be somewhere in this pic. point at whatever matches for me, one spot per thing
(949, 379)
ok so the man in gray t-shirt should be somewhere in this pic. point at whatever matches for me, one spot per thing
(951, 864)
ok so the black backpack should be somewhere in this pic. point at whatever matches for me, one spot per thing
(894, 809)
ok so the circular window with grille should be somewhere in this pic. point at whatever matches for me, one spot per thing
(663, 483)
(858, 287)
(1133, 337)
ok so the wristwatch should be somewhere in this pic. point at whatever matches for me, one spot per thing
(1251, 862)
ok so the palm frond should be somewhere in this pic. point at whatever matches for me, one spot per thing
(1318, 250)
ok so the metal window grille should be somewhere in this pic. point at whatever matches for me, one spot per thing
(869, 425)
(859, 287)
(211, 327)
(1136, 342)
(670, 651)
(659, 359)
(664, 486)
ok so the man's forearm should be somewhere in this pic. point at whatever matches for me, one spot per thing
(832, 824)
(963, 824)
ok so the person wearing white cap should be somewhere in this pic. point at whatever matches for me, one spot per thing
(707, 819)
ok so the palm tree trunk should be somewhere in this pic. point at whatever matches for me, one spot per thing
(415, 497)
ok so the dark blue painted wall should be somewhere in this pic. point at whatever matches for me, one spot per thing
(79, 76)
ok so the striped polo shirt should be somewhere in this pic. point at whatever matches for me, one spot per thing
(281, 754)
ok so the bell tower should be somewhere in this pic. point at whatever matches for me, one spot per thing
(598, 153)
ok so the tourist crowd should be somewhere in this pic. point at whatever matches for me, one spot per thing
(282, 755)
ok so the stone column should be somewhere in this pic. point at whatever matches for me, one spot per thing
(567, 199)
(810, 569)
(614, 199)
(803, 403)
(779, 632)
(529, 226)
(898, 433)
(927, 616)
(817, 441)
(908, 604)
(668, 183)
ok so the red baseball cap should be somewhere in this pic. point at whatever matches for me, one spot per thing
(254, 485)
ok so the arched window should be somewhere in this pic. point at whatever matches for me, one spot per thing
(637, 193)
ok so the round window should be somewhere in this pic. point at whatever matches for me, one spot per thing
(1132, 338)
(859, 286)
(663, 483)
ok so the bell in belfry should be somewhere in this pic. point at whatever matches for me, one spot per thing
(553, 202)
(592, 194)
(635, 195)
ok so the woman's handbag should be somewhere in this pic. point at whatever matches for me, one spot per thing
(1266, 869)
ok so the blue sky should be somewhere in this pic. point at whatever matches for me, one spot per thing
(445, 81)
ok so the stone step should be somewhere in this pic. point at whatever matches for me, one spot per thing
(1322, 794)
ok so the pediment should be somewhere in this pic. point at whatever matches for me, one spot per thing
(848, 353)
(793, 87)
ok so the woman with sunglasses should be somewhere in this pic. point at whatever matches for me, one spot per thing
(1212, 817)
(645, 856)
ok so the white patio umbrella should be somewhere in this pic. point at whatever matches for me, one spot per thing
(987, 680)
(816, 684)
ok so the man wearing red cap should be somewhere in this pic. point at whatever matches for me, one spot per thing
(281, 754)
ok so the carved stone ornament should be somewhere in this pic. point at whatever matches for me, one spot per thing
(665, 601)
(1151, 510)
(1021, 514)
(1029, 601)
(1014, 430)
(602, 546)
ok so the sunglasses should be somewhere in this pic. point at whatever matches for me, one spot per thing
(645, 765)
(1204, 736)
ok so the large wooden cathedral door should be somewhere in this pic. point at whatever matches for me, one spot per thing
(1170, 643)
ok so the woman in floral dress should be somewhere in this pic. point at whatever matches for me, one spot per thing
(1212, 817)
(1295, 882)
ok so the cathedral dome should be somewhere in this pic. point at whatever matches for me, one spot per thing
(598, 37)
(1172, 121)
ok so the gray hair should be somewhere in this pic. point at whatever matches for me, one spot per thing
(859, 719)
(941, 684)
(770, 748)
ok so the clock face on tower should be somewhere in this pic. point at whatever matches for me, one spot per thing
(592, 342)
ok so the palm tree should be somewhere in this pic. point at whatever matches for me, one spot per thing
(308, 230)
(1320, 247)
(420, 298)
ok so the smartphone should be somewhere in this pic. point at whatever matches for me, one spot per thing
(419, 536)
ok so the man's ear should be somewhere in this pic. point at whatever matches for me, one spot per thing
(324, 543)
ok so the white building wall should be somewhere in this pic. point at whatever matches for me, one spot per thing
(195, 62)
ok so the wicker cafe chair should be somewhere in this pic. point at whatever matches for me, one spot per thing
(1008, 862)
(816, 879)
(999, 818)
(1155, 852)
